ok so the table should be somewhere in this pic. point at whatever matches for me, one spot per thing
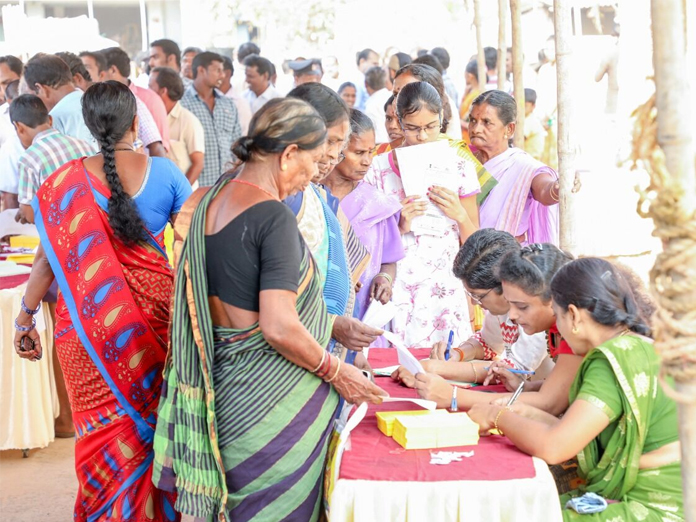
(28, 400)
(379, 480)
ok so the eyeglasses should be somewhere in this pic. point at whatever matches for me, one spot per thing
(478, 298)
(429, 129)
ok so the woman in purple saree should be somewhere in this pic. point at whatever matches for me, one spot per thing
(524, 203)
(373, 214)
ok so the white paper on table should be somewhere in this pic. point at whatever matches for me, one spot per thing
(350, 425)
(10, 268)
(9, 227)
(421, 167)
(406, 358)
(378, 314)
(386, 371)
(428, 405)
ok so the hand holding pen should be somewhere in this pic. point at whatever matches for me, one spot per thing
(500, 371)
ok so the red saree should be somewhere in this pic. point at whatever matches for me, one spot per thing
(111, 340)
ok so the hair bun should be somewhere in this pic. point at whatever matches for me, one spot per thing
(243, 148)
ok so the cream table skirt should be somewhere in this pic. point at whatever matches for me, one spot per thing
(519, 500)
(28, 400)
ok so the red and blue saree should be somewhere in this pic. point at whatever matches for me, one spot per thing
(111, 338)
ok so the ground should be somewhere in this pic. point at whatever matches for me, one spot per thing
(40, 488)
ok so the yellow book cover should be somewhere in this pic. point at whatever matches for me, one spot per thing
(385, 419)
(441, 431)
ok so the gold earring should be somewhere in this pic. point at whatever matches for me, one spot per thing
(575, 331)
(283, 167)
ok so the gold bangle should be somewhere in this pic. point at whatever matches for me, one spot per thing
(385, 276)
(497, 418)
(474, 368)
(557, 197)
(338, 368)
(321, 363)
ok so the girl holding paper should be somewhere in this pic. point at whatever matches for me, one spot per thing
(429, 299)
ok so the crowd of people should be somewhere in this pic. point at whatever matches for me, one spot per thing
(207, 384)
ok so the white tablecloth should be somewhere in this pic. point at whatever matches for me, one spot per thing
(520, 500)
(28, 400)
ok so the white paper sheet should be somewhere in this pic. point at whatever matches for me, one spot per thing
(10, 268)
(421, 167)
(9, 227)
(406, 358)
(428, 405)
(378, 314)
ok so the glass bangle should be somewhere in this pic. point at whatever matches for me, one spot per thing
(28, 310)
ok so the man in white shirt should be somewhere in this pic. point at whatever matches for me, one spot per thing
(186, 135)
(226, 87)
(10, 70)
(258, 76)
(375, 84)
(10, 152)
(364, 59)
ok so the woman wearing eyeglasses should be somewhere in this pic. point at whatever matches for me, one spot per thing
(429, 299)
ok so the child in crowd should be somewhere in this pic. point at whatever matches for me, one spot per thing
(534, 133)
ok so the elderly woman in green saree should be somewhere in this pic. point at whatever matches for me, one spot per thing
(251, 391)
(620, 424)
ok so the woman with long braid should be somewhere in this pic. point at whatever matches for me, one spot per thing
(101, 220)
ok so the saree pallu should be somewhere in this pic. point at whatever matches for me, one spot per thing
(485, 179)
(510, 207)
(613, 472)
(111, 337)
(346, 257)
(242, 431)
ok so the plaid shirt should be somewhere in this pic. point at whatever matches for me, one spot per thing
(49, 151)
(221, 128)
(147, 129)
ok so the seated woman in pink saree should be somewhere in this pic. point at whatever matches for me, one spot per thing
(524, 203)
(373, 214)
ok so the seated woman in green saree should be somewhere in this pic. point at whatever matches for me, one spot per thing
(620, 424)
(250, 390)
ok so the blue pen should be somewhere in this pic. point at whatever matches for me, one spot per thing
(449, 345)
(517, 372)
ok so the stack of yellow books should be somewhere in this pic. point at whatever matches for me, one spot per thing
(385, 419)
(27, 243)
(435, 431)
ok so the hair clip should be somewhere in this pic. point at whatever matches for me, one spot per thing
(606, 275)
(593, 305)
(532, 248)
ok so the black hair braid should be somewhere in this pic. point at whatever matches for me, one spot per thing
(123, 215)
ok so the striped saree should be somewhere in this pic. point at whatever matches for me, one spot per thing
(242, 432)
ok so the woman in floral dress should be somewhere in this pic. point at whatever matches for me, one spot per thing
(429, 299)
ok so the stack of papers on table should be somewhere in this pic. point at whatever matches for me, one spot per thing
(385, 419)
(435, 431)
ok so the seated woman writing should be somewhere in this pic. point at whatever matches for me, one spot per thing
(620, 423)
(525, 276)
(476, 266)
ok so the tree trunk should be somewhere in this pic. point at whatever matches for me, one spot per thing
(517, 60)
(674, 215)
(502, 45)
(566, 147)
(481, 58)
